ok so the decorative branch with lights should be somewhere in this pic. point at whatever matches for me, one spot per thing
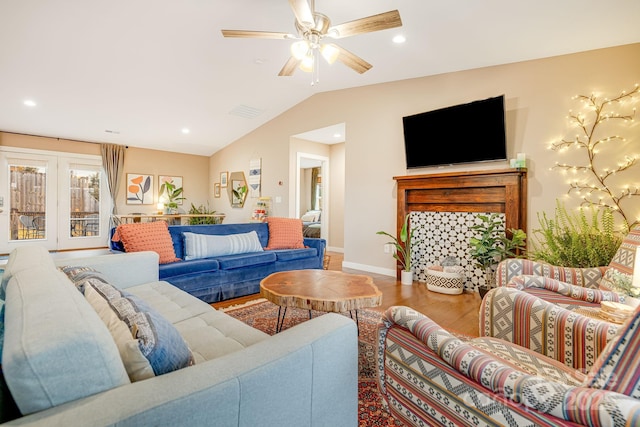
(596, 188)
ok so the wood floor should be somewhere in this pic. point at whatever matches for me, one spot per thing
(457, 313)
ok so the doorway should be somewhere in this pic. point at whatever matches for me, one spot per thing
(312, 193)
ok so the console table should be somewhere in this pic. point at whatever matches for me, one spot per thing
(171, 219)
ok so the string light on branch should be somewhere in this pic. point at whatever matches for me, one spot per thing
(597, 189)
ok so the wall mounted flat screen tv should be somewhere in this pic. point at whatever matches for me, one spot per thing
(465, 133)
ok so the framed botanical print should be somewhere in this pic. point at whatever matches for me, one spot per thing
(223, 179)
(170, 189)
(216, 189)
(139, 189)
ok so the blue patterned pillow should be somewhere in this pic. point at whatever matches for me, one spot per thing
(159, 341)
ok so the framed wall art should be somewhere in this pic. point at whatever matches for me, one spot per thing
(216, 189)
(223, 179)
(170, 189)
(139, 189)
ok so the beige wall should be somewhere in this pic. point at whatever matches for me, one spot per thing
(193, 169)
(538, 96)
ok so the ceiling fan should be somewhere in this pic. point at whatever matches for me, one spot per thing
(313, 27)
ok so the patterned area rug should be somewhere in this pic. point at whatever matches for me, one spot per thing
(262, 315)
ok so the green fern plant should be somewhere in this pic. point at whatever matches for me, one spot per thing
(576, 240)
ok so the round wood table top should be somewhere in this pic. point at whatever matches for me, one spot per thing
(322, 290)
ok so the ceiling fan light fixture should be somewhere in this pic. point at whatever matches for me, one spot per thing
(330, 53)
(299, 49)
(306, 64)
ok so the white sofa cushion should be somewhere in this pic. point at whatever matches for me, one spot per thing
(56, 348)
(210, 245)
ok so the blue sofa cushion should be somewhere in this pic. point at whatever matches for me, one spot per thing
(207, 246)
(205, 265)
(292, 254)
(246, 260)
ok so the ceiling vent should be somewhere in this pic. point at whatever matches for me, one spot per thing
(246, 112)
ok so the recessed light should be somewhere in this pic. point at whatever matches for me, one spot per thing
(399, 39)
(336, 135)
(30, 103)
(185, 130)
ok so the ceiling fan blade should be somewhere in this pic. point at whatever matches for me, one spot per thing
(303, 13)
(352, 61)
(256, 34)
(382, 21)
(289, 67)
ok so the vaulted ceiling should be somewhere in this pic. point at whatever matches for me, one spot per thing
(138, 72)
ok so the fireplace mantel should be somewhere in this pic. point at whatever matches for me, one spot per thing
(502, 191)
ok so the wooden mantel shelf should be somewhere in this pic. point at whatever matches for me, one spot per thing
(501, 190)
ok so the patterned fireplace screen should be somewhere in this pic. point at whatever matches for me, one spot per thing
(437, 235)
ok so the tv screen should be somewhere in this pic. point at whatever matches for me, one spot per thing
(465, 133)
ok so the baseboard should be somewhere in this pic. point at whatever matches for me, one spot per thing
(369, 268)
(335, 249)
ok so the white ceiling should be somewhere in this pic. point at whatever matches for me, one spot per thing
(137, 72)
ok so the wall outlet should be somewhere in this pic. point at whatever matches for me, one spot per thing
(387, 248)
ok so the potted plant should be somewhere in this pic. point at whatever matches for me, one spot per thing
(402, 252)
(172, 194)
(492, 246)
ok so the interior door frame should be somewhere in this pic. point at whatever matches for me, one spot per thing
(324, 168)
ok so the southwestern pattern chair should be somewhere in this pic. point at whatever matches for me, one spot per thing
(550, 313)
(545, 327)
(589, 278)
(429, 376)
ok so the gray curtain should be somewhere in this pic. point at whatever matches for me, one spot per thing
(314, 186)
(113, 164)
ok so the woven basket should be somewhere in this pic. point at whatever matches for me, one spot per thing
(445, 282)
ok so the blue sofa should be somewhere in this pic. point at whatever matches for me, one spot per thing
(232, 276)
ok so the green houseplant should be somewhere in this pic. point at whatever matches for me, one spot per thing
(402, 252)
(492, 245)
(203, 220)
(172, 194)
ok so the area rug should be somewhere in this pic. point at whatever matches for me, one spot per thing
(262, 315)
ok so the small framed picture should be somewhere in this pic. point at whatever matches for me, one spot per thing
(216, 189)
(223, 179)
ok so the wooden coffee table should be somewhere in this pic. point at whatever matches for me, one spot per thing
(321, 290)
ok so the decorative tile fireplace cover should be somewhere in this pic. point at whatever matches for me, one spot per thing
(440, 234)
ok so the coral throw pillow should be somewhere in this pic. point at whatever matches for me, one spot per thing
(284, 233)
(147, 236)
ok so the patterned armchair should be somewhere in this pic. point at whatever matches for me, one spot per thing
(590, 278)
(429, 376)
(538, 315)
(546, 327)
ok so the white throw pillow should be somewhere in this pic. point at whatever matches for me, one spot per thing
(308, 217)
(210, 245)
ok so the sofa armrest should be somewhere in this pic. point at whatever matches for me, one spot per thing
(304, 376)
(512, 267)
(546, 328)
(121, 269)
(319, 244)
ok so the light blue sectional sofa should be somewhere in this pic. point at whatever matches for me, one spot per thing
(65, 363)
(224, 277)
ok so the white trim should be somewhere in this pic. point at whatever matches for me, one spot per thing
(369, 268)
